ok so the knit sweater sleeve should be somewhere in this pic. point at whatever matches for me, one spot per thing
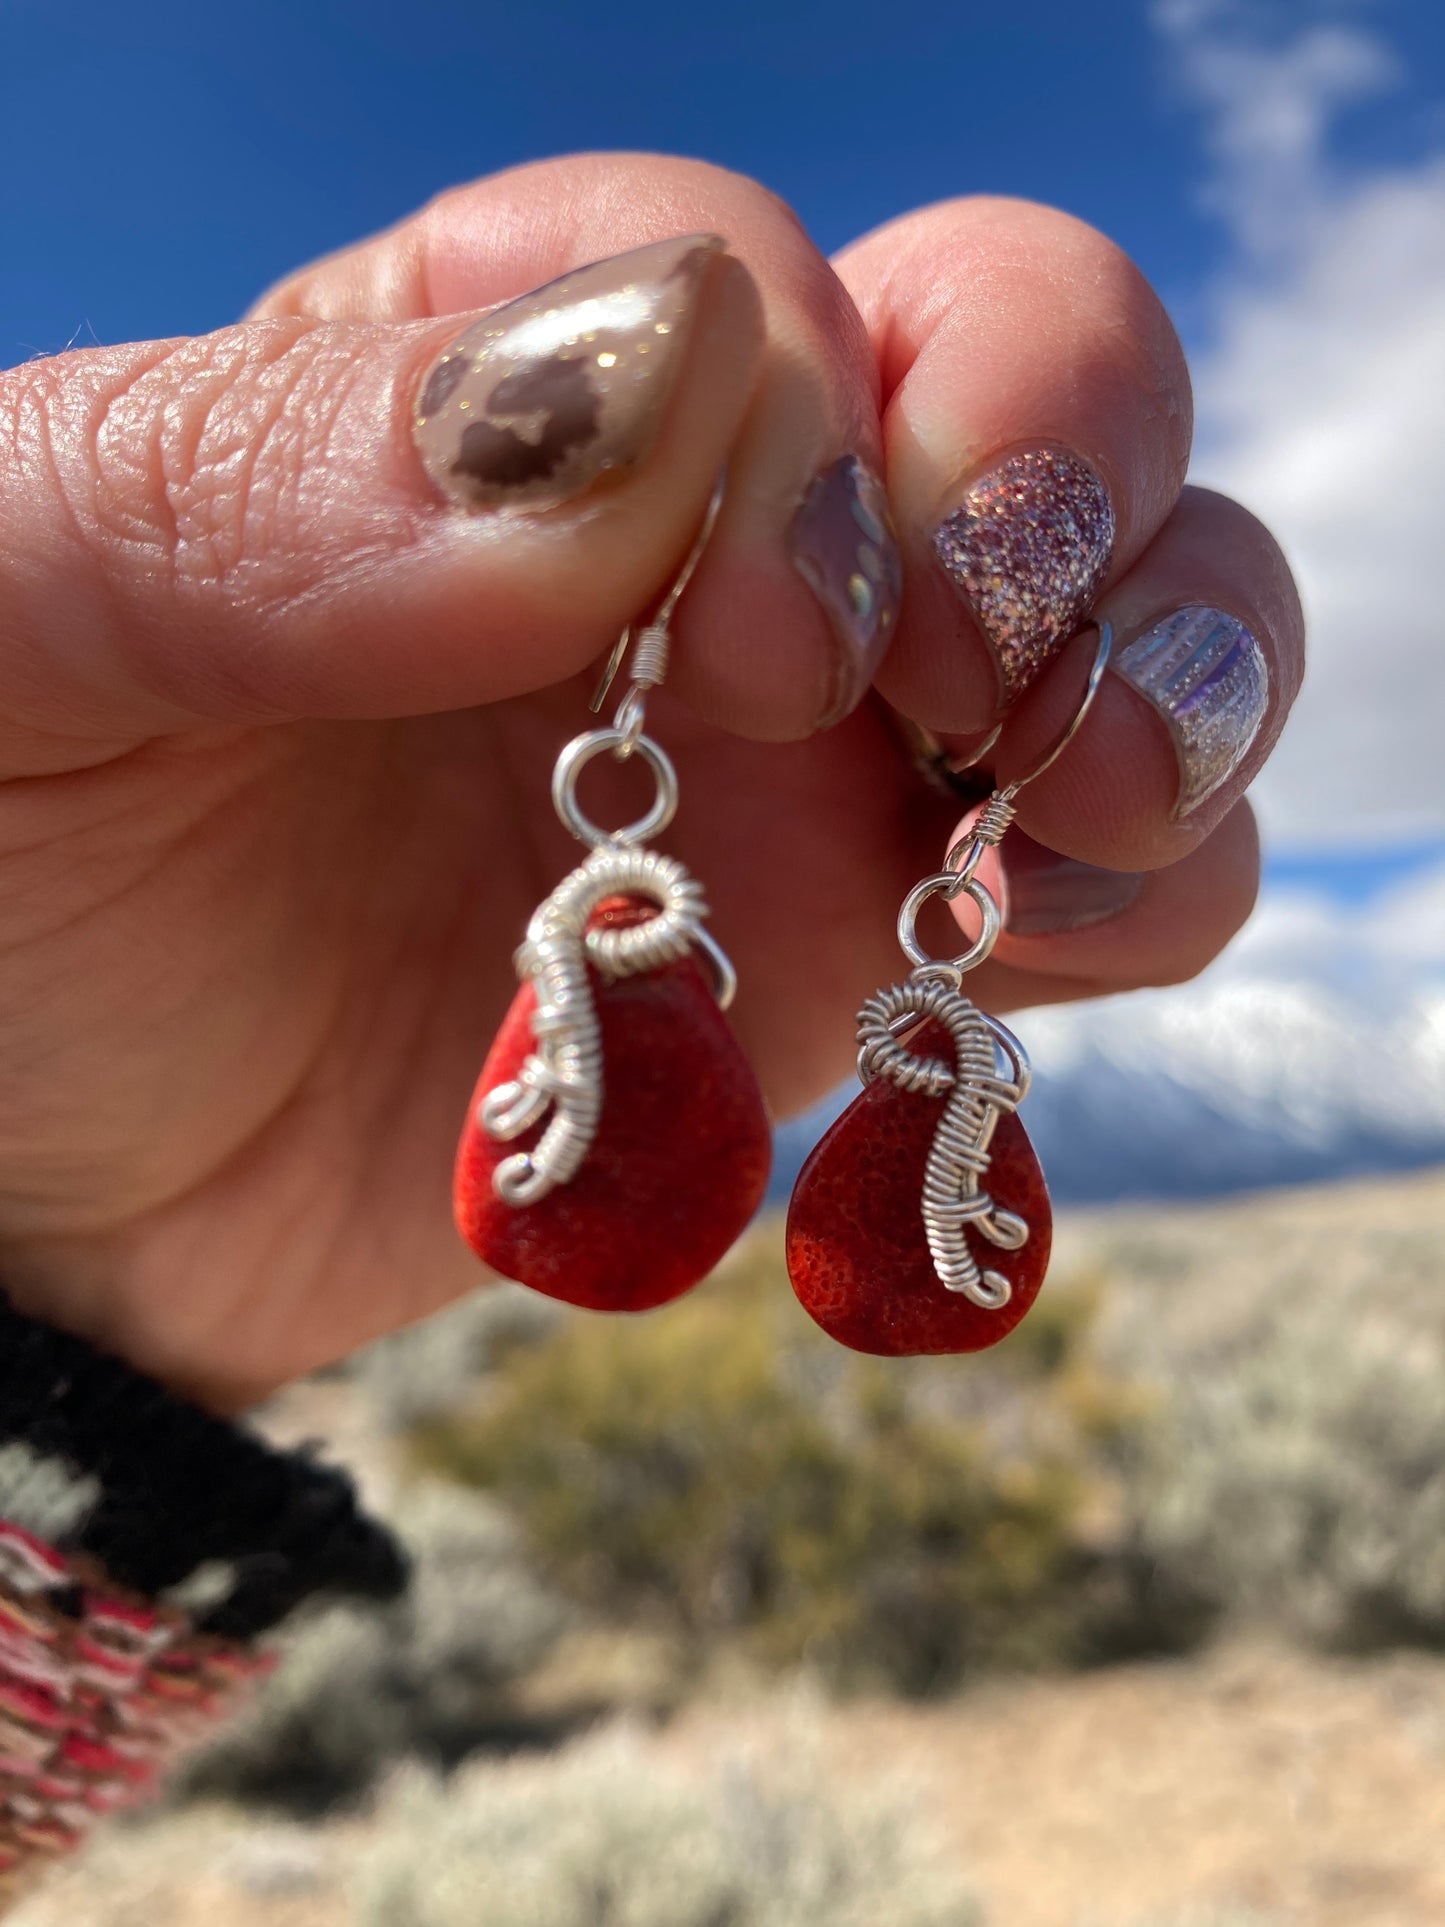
(147, 1549)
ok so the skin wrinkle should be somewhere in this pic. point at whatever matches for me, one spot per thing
(247, 440)
(328, 1073)
(476, 621)
(219, 471)
(466, 269)
(277, 455)
(112, 815)
(98, 593)
(401, 523)
(34, 453)
(225, 523)
(159, 855)
(199, 991)
(118, 1247)
(46, 396)
(131, 463)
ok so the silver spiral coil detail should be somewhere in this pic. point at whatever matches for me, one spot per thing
(564, 1071)
(954, 1197)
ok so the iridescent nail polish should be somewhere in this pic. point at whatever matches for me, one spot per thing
(1028, 547)
(845, 550)
(1207, 676)
(537, 402)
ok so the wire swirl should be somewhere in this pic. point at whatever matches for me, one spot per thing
(564, 1071)
(954, 1197)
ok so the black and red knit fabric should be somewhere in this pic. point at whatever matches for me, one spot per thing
(146, 1548)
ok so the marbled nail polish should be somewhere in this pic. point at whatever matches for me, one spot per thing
(1028, 546)
(1207, 676)
(541, 399)
(845, 550)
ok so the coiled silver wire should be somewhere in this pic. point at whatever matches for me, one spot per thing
(979, 1092)
(954, 1197)
(564, 1071)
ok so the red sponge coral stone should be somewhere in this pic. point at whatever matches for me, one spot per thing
(857, 1254)
(678, 1167)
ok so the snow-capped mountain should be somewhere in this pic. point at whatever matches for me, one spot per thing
(1314, 1049)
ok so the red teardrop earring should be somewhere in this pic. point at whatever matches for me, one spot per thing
(617, 1143)
(921, 1223)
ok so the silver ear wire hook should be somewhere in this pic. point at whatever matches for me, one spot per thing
(959, 875)
(954, 774)
(650, 664)
(989, 1075)
(562, 1079)
(1086, 702)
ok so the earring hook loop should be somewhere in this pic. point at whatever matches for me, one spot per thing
(1051, 756)
(959, 874)
(651, 662)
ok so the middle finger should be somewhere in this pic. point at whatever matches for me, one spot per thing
(1037, 423)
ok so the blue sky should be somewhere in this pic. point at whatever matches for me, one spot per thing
(159, 163)
(1277, 169)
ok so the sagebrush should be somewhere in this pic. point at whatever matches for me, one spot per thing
(1298, 1479)
(721, 1469)
(608, 1834)
(432, 1676)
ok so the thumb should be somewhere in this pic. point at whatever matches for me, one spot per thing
(263, 522)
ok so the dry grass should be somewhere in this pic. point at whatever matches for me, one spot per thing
(1290, 1351)
(1249, 1787)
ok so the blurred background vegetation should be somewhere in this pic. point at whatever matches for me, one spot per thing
(705, 1605)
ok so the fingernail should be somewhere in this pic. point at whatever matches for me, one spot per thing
(1207, 676)
(1028, 547)
(1049, 894)
(846, 551)
(536, 402)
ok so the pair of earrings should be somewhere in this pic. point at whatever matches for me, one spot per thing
(618, 1144)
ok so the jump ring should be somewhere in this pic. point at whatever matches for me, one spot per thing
(575, 758)
(944, 884)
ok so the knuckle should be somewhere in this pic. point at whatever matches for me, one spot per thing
(32, 403)
(1026, 248)
(180, 459)
(48, 478)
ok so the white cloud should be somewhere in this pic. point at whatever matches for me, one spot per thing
(1384, 946)
(1322, 406)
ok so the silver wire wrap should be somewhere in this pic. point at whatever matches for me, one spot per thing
(978, 1093)
(990, 1075)
(564, 1071)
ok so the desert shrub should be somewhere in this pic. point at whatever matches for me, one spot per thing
(722, 1468)
(432, 1675)
(431, 1367)
(606, 1835)
(1299, 1478)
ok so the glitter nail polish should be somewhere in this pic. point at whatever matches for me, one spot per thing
(1028, 547)
(1207, 676)
(845, 550)
(538, 401)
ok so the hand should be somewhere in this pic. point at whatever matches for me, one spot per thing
(277, 718)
